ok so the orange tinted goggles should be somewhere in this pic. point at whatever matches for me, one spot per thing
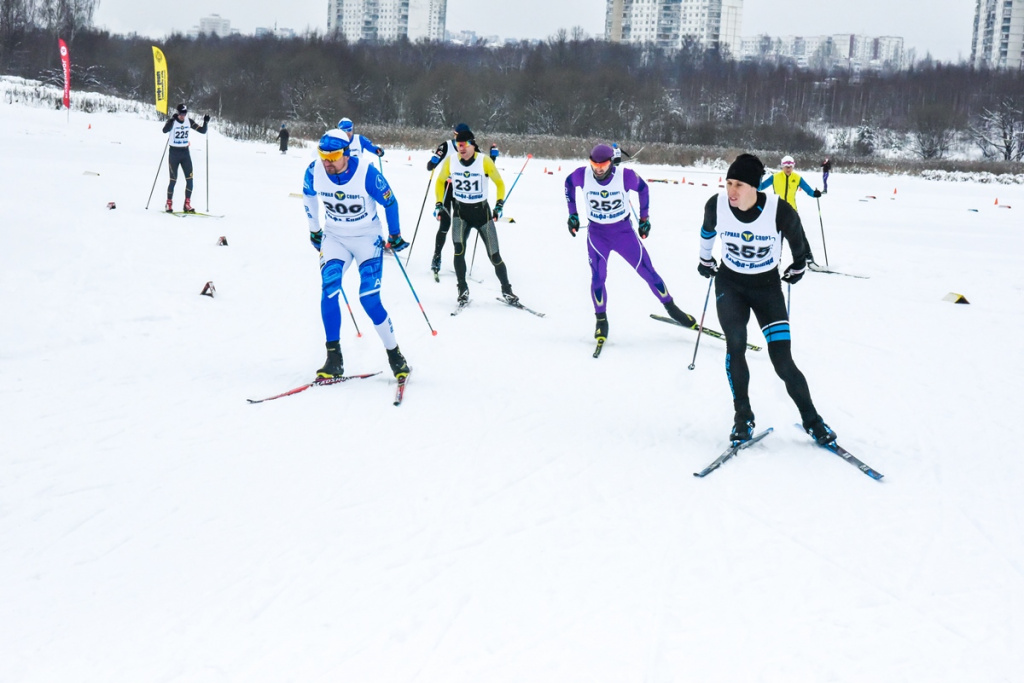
(334, 155)
(600, 166)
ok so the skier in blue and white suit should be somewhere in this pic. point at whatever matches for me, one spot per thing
(359, 142)
(350, 192)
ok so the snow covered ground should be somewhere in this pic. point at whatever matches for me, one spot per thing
(528, 514)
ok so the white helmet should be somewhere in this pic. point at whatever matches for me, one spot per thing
(788, 161)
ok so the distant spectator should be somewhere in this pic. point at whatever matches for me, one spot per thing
(494, 153)
(282, 136)
(826, 168)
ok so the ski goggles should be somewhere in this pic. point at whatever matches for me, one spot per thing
(600, 167)
(463, 144)
(333, 155)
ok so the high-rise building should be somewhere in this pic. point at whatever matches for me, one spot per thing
(998, 39)
(667, 23)
(215, 25)
(387, 20)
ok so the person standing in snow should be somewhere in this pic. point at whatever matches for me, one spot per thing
(605, 194)
(826, 169)
(494, 152)
(282, 137)
(359, 142)
(468, 172)
(786, 183)
(350, 190)
(752, 226)
(177, 128)
(444, 216)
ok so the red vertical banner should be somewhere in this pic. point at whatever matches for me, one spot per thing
(65, 60)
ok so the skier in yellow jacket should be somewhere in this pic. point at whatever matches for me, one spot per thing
(469, 172)
(786, 183)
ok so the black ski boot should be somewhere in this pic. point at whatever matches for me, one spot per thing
(820, 431)
(676, 314)
(742, 427)
(510, 298)
(335, 365)
(398, 364)
(435, 264)
(463, 294)
(601, 332)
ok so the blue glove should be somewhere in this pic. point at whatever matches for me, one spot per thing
(644, 228)
(380, 151)
(315, 238)
(574, 224)
(708, 268)
(396, 243)
(498, 206)
(438, 210)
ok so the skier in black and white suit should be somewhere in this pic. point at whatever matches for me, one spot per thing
(178, 127)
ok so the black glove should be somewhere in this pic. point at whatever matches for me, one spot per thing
(817, 193)
(498, 206)
(206, 119)
(644, 228)
(315, 238)
(431, 165)
(574, 224)
(380, 151)
(708, 268)
(793, 274)
(438, 210)
(396, 243)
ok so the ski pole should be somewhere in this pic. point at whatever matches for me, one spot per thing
(157, 173)
(426, 194)
(207, 170)
(700, 330)
(413, 290)
(473, 260)
(358, 333)
(528, 157)
(818, 199)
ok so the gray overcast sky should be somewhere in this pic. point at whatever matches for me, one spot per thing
(942, 27)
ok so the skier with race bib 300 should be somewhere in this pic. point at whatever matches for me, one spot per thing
(350, 190)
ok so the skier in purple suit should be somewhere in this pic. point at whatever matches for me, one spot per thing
(607, 208)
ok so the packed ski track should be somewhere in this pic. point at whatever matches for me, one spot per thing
(529, 512)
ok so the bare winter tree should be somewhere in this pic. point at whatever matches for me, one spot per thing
(999, 131)
(933, 131)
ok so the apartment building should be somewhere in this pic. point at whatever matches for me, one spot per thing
(667, 23)
(998, 38)
(387, 20)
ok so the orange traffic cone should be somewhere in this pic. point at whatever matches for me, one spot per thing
(997, 201)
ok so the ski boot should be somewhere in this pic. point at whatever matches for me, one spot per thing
(684, 319)
(742, 426)
(188, 206)
(397, 362)
(510, 298)
(601, 332)
(463, 294)
(435, 265)
(820, 431)
(335, 365)
(170, 206)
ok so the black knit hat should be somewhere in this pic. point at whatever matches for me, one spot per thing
(464, 135)
(747, 169)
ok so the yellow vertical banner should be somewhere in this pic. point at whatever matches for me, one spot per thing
(160, 73)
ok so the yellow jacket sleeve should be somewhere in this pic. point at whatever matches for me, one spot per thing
(442, 177)
(491, 171)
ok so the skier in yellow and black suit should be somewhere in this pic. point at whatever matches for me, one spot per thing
(469, 171)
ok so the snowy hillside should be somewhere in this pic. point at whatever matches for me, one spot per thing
(528, 514)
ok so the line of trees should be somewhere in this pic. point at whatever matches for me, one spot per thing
(568, 85)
